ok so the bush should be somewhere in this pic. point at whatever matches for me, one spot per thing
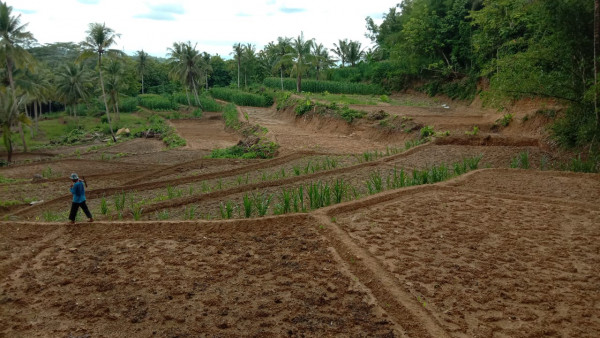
(157, 102)
(128, 105)
(333, 87)
(242, 98)
(230, 115)
(304, 107)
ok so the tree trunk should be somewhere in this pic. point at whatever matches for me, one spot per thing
(112, 133)
(22, 133)
(196, 94)
(596, 66)
(187, 94)
(35, 115)
(281, 78)
(30, 127)
(239, 66)
(142, 82)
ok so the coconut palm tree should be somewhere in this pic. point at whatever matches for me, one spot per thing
(12, 34)
(10, 104)
(354, 53)
(141, 66)
(249, 57)
(97, 42)
(300, 51)
(72, 83)
(238, 51)
(186, 66)
(320, 58)
(341, 50)
(283, 49)
(114, 84)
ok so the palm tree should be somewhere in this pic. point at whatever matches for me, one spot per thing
(354, 53)
(142, 63)
(71, 85)
(341, 50)
(9, 115)
(320, 58)
(114, 84)
(186, 66)
(283, 50)
(300, 51)
(249, 59)
(97, 42)
(238, 51)
(12, 33)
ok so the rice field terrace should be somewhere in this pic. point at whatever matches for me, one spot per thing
(352, 229)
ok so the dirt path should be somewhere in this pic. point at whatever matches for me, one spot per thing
(207, 133)
(322, 135)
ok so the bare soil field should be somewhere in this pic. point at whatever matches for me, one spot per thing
(489, 251)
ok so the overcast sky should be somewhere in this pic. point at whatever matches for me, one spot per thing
(153, 25)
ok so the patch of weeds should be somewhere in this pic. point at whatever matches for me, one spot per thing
(262, 202)
(163, 215)
(521, 160)
(226, 209)
(189, 212)
(473, 132)
(247, 203)
(103, 206)
(375, 183)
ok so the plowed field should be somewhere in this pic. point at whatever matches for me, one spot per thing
(337, 236)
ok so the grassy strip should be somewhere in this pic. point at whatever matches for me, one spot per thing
(242, 98)
(168, 134)
(326, 86)
(304, 106)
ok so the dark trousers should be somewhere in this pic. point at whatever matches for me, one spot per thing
(75, 208)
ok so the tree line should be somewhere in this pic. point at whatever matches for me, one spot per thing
(501, 49)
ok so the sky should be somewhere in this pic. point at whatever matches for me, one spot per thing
(215, 26)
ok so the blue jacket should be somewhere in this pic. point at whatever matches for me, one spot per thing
(78, 192)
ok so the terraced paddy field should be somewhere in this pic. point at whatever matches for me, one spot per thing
(363, 236)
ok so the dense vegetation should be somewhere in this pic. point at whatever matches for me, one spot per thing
(502, 49)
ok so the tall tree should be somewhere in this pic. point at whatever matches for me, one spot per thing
(114, 83)
(72, 85)
(97, 42)
(354, 53)
(320, 58)
(341, 50)
(283, 49)
(238, 52)
(186, 65)
(249, 57)
(142, 65)
(300, 51)
(12, 35)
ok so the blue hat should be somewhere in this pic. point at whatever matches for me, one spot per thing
(74, 176)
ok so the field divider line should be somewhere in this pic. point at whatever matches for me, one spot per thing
(399, 303)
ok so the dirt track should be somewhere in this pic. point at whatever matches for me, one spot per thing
(494, 252)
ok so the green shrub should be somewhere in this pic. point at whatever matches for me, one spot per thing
(333, 87)
(427, 131)
(157, 102)
(304, 107)
(242, 98)
(128, 104)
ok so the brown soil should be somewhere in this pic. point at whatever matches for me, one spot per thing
(495, 252)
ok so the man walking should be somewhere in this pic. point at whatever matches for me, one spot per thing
(78, 191)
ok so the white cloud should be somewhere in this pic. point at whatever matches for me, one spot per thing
(154, 25)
